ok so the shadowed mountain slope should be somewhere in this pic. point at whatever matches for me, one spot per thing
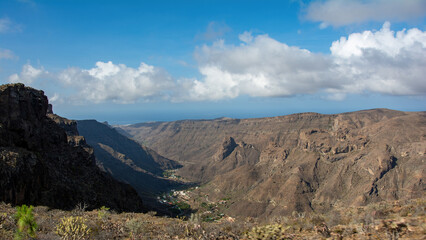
(41, 165)
(299, 162)
(127, 160)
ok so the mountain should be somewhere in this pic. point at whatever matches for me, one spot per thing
(43, 160)
(300, 162)
(127, 160)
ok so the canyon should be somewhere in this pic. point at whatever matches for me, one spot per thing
(262, 168)
(305, 162)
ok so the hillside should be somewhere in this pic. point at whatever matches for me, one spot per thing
(391, 220)
(128, 161)
(301, 162)
(41, 165)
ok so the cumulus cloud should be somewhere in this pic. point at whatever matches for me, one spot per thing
(117, 82)
(381, 61)
(246, 37)
(260, 66)
(28, 74)
(343, 12)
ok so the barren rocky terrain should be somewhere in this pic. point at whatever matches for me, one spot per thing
(301, 162)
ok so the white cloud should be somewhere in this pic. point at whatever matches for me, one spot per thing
(246, 37)
(214, 31)
(6, 25)
(7, 54)
(382, 61)
(260, 67)
(384, 40)
(55, 99)
(343, 12)
(323, 25)
(28, 74)
(117, 82)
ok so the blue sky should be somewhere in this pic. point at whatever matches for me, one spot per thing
(132, 61)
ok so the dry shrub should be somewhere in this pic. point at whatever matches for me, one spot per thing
(136, 227)
(74, 228)
(268, 232)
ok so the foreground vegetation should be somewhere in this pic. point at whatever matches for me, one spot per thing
(385, 220)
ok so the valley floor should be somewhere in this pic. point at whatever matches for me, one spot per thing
(384, 220)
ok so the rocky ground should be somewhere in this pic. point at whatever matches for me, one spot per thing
(385, 220)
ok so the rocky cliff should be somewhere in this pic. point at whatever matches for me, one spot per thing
(300, 162)
(41, 165)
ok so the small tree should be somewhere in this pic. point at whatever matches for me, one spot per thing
(103, 213)
(27, 226)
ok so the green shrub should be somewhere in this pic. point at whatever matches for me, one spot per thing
(183, 205)
(103, 213)
(73, 228)
(27, 226)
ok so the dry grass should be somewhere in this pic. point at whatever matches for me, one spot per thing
(391, 220)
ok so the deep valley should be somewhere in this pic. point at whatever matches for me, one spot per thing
(359, 175)
(304, 162)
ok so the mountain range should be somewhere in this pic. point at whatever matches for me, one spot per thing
(301, 162)
(261, 167)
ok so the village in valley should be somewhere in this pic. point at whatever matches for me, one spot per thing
(192, 203)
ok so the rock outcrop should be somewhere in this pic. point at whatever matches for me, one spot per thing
(300, 162)
(41, 164)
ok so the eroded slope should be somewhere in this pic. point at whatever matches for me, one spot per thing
(299, 162)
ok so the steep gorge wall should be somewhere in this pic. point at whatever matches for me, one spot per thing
(41, 165)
